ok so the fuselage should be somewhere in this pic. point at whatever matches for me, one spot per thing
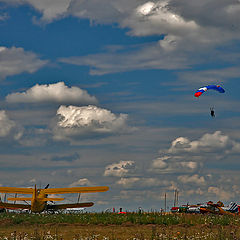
(38, 203)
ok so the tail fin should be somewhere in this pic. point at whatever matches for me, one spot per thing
(233, 207)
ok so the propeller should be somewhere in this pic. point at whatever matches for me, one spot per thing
(47, 194)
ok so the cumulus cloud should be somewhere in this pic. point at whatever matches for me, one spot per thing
(88, 120)
(182, 165)
(103, 11)
(81, 182)
(196, 179)
(207, 143)
(128, 182)
(182, 25)
(188, 157)
(148, 56)
(186, 36)
(50, 10)
(142, 182)
(159, 18)
(9, 127)
(199, 22)
(6, 124)
(119, 169)
(15, 61)
(194, 192)
(58, 93)
(220, 193)
(173, 164)
(184, 18)
(209, 76)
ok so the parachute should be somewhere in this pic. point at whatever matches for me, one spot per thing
(201, 90)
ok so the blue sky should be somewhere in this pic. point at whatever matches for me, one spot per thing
(101, 93)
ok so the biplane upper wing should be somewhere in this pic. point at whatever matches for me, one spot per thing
(16, 190)
(75, 190)
(14, 206)
(71, 205)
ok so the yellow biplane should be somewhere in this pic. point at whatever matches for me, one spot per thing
(40, 198)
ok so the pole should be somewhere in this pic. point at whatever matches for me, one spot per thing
(165, 202)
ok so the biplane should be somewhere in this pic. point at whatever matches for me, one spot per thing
(39, 199)
(209, 208)
(219, 208)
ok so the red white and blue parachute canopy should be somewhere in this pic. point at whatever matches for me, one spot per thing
(201, 90)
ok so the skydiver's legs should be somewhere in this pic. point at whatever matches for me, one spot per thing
(212, 112)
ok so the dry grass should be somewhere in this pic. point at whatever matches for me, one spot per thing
(191, 227)
(120, 232)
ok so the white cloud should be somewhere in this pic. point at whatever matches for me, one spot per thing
(160, 163)
(196, 22)
(194, 192)
(58, 93)
(103, 11)
(212, 76)
(157, 18)
(128, 182)
(15, 61)
(33, 180)
(149, 56)
(221, 193)
(6, 124)
(50, 10)
(207, 143)
(173, 164)
(188, 37)
(88, 120)
(81, 182)
(9, 127)
(189, 28)
(199, 180)
(119, 169)
(146, 8)
(142, 182)
(186, 156)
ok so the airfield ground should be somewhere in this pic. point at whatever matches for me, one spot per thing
(113, 226)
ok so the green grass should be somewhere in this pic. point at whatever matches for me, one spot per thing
(117, 219)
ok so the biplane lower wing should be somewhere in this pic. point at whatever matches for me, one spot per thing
(75, 190)
(19, 199)
(72, 205)
(16, 190)
(14, 206)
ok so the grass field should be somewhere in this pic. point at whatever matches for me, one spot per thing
(113, 226)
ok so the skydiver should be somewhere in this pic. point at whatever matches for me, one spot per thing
(212, 112)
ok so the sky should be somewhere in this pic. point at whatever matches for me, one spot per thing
(101, 93)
